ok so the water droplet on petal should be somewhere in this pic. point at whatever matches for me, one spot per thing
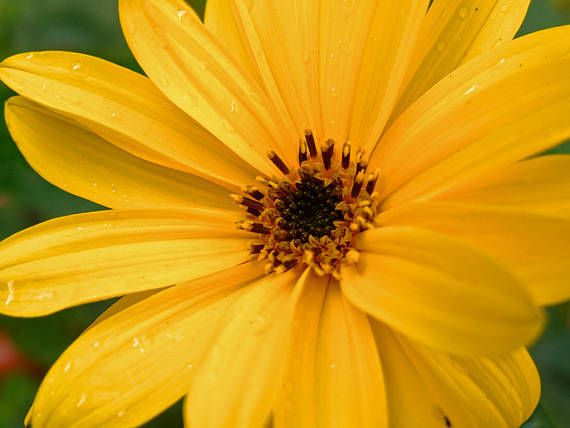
(333, 92)
(96, 344)
(504, 8)
(470, 90)
(45, 296)
(67, 367)
(44, 86)
(114, 115)
(233, 106)
(79, 229)
(81, 401)
(181, 13)
(76, 66)
(29, 56)
(10, 296)
(333, 365)
(121, 413)
(499, 42)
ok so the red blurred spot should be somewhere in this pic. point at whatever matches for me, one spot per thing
(13, 360)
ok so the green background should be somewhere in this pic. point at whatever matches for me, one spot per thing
(26, 199)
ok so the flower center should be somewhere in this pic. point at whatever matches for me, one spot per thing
(311, 214)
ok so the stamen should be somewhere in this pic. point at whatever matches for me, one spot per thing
(345, 155)
(310, 139)
(268, 182)
(252, 211)
(253, 192)
(372, 179)
(310, 215)
(302, 151)
(250, 226)
(327, 149)
(357, 185)
(361, 165)
(255, 248)
(250, 203)
(274, 157)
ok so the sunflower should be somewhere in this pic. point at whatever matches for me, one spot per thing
(322, 213)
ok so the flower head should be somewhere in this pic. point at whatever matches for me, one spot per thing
(323, 213)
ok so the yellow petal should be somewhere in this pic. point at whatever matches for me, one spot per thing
(93, 256)
(500, 391)
(84, 164)
(349, 386)
(388, 48)
(138, 362)
(220, 18)
(285, 42)
(196, 72)
(410, 405)
(470, 124)
(123, 303)
(440, 292)
(541, 183)
(240, 28)
(532, 245)
(126, 109)
(240, 375)
(295, 405)
(453, 32)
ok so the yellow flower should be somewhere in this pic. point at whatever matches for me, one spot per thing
(392, 279)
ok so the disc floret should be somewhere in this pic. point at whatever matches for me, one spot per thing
(311, 214)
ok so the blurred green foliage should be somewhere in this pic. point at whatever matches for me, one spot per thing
(26, 199)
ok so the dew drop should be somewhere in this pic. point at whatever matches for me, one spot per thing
(79, 229)
(114, 115)
(499, 42)
(463, 12)
(191, 102)
(233, 106)
(333, 365)
(96, 344)
(333, 92)
(81, 401)
(470, 90)
(504, 8)
(440, 46)
(29, 56)
(10, 296)
(121, 413)
(67, 367)
(45, 296)
(76, 66)
(226, 125)
(181, 14)
(44, 86)
(137, 344)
